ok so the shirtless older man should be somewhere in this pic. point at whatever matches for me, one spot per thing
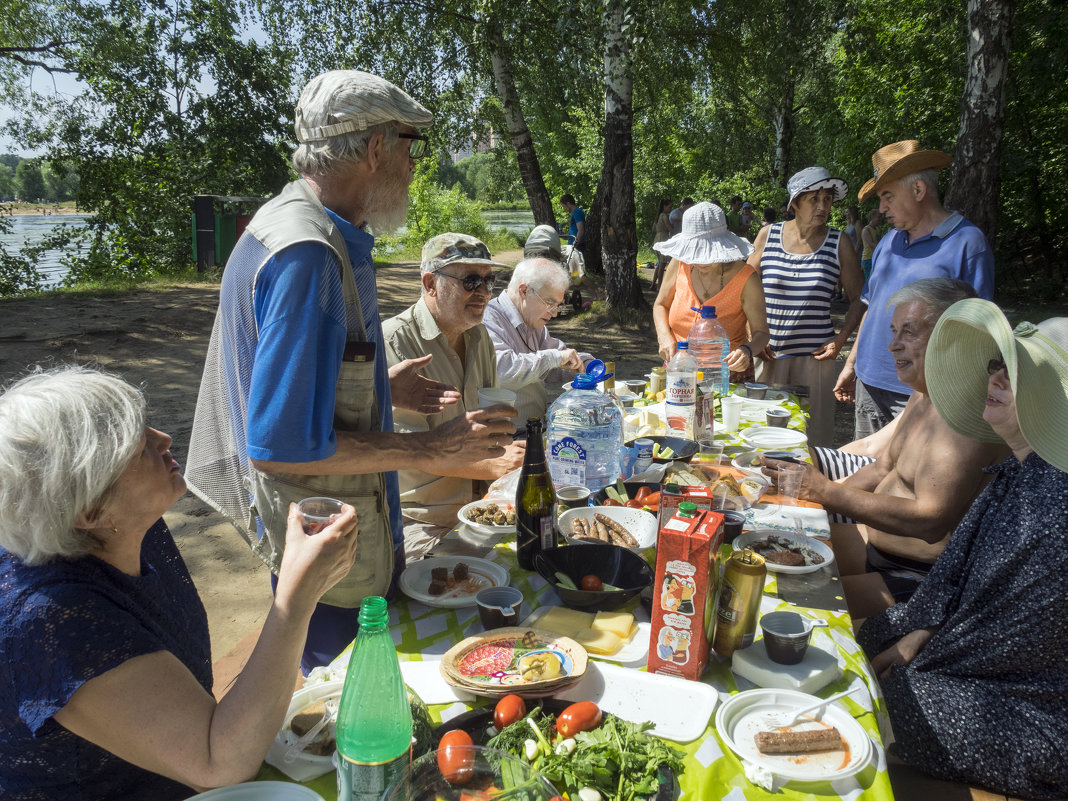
(908, 500)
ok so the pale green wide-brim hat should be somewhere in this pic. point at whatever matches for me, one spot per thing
(971, 333)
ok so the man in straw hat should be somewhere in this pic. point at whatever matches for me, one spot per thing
(902, 506)
(457, 277)
(296, 398)
(929, 241)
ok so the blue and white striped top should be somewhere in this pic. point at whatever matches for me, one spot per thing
(797, 291)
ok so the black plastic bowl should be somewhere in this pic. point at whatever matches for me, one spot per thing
(684, 448)
(610, 563)
(631, 487)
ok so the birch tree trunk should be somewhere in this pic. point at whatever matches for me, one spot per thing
(975, 187)
(529, 168)
(619, 238)
(784, 136)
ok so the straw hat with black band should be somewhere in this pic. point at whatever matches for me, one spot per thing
(900, 160)
(966, 338)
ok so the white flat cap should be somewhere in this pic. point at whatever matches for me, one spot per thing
(345, 101)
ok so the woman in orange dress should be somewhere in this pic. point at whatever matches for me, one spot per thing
(708, 268)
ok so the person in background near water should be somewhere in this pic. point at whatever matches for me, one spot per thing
(457, 277)
(576, 223)
(800, 263)
(929, 241)
(973, 666)
(708, 268)
(870, 236)
(892, 514)
(296, 398)
(107, 688)
(676, 215)
(661, 232)
(528, 358)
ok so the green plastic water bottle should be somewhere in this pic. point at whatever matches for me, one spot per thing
(374, 721)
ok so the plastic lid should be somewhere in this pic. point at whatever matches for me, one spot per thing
(672, 487)
(687, 509)
(682, 344)
(706, 311)
(584, 381)
(596, 369)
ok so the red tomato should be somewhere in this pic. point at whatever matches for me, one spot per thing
(633, 503)
(591, 583)
(580, 716)
(508, 710)
(455, 756)
(610, 502)
(642, 493)
(652, 499)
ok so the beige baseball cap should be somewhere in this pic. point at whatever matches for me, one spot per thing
(345, 101)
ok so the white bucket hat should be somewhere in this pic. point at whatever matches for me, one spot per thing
(705, 238)
(346, 101)
(543, 242)
(811, 179)
(972, 332)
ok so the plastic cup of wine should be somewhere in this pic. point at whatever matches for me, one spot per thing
(317, 513)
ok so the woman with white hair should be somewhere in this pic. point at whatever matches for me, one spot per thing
(973, 665)
(105, 684)
(528, 357)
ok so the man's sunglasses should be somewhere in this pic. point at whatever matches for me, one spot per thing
(994, 366)
(417, 146)
(473, 281)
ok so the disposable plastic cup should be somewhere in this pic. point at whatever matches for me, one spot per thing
(786, 636)
(317, 513)
(779, 418)
(498, 606)
(711, 451)
(731, 409)
(789, 485)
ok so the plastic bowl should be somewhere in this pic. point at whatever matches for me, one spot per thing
(684, 448)
(610, 563)
(477, 769)
(640, 524)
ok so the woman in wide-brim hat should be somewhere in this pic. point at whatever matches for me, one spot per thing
(708, 268)
(973, 665)
(800, 262)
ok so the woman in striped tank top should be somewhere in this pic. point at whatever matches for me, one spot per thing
(800, 262)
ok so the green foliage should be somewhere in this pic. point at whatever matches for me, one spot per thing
(29, 181)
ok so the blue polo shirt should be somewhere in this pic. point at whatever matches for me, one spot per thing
(955, 249)
(577, 216)
(299, 353)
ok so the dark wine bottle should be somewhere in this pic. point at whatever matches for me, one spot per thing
(534, 501)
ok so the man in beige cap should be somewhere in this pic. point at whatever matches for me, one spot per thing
(296, 398)
(929, 242)
(457, 277)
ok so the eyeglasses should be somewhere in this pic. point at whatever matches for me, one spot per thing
(552, 307)
(473, 281)
(994, 366)
(417, 147)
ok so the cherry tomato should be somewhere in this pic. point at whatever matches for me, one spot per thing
(508, 710)
(610, 502)
(642, 493)
(591, 583)
(580, 716)
(455, 756)
(633, 503)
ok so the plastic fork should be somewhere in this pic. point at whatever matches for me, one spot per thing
(782, 720)
(294, 750)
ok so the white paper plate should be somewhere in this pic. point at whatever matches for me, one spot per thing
(772, 397)
(636, 649)
(771, 437)
(678, 709)
(483, 528)
(306, 766)
(415, 580)
(743, 715)
(260, 791)
(640, 524)
(744, 461)
(743, 540)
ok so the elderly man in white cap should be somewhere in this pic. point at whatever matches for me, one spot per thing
(457, 277)
(296, 398)
(929, 242)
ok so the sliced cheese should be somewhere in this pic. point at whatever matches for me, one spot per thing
(617, 623)
(561, 620)
(599, 642)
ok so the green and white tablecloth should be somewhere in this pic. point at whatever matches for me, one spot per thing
(712, 771)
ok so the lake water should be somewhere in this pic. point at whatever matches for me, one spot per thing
(31, 228)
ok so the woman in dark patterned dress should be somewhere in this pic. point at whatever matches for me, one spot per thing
(975, 665)
(105, 661)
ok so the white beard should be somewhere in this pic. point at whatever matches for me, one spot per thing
(387, 205)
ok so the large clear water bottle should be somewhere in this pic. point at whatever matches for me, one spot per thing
(584, 436)
(681, 392)
(709, 345)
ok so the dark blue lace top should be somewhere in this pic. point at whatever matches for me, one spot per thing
(69, 621)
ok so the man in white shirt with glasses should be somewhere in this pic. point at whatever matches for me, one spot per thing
(529, 359)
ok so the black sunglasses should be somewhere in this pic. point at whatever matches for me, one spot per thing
(417, 147)
(473, 281)
(994, 366)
